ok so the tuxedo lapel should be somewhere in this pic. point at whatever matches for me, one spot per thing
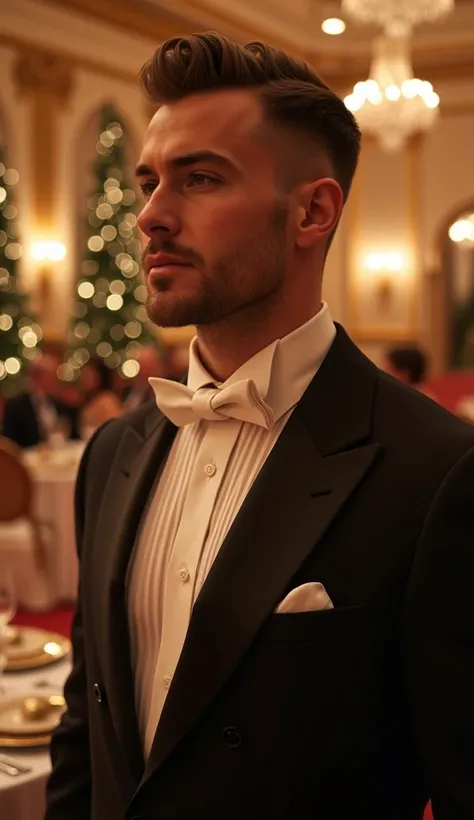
(303, 486)
(138, 461)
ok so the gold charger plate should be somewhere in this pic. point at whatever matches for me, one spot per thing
(53, 647)
(31, 714)
(20, 730)
(33, 742)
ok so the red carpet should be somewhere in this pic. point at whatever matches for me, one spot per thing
(60, 621)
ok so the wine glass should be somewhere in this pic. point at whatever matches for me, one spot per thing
(7, 611)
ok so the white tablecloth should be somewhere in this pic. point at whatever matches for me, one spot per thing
(23, 797)
(54, 474)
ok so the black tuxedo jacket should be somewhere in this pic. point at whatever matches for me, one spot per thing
(21, 423)
(364, 711)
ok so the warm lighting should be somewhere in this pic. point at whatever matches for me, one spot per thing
(52, 648)
(392, 104)
(12, 366)
(6, 322)
(462, 231)
(104, 349)
(48, 251)
(130, 368)
(397, 17)
(95, 243)
(333, 26)
(384, 261)
(114, 301)
(86, 290)
(117, 286)
(384, 272)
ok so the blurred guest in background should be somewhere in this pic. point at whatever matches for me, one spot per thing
(37, 415)
(139, 391)
(177, 363)
(408, 364)
(100, 402)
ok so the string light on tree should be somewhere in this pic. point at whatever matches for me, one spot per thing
(19, 334)
(109, 309)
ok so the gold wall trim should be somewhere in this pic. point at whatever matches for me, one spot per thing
(70, 59)
(438, 290)
(134, 17)
(46, 82)
(413, 182)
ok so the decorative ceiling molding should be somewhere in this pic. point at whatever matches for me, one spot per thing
(37, 70)
(132, 17)
(340, 67)
(341, 76)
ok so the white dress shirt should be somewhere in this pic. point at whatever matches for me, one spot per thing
(207, 476)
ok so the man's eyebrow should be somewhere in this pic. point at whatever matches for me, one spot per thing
(143, 170)
(187, 160)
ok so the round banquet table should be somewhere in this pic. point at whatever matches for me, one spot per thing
(54, 474)
(23, 797)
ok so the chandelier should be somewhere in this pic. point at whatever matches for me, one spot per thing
(397, 17)
(392, 104)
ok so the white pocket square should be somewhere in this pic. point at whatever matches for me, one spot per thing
(306, 598)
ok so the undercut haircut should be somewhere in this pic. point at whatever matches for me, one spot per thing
(293, 96)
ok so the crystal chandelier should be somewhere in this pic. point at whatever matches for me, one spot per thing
(397, 17)
(392, 104)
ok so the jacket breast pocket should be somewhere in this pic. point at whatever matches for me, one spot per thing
(300, 627)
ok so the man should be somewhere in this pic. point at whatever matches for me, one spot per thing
(139, 391)
(32, 417)
(275, 618)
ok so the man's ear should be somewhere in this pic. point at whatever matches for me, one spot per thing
(319, 211)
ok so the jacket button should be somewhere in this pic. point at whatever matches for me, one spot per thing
(97, 693)
(232, 737)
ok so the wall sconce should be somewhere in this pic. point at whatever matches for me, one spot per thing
(385, 269)
(46, 253)
(462, 231)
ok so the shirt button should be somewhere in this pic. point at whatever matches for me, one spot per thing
(232, 737)
(210, 470)
(167, 681)
(184, 574)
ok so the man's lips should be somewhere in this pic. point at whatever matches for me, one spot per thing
(164, 260)
(160, 265)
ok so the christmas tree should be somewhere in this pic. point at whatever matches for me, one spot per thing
(109, 317)
(19, 335)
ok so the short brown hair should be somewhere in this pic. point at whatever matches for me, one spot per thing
(293, 95)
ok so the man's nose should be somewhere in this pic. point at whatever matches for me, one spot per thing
(158, 216)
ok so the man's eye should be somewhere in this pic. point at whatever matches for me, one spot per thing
(148, 188)
(201, 179)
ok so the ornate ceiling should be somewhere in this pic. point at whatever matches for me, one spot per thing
(440, 50)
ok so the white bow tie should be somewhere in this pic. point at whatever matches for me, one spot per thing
(240, 400)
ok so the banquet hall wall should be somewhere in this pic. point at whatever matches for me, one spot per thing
(400, 202)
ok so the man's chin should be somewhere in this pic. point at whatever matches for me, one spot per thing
(170, 315)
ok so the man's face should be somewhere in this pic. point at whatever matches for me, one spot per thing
(214, 219)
